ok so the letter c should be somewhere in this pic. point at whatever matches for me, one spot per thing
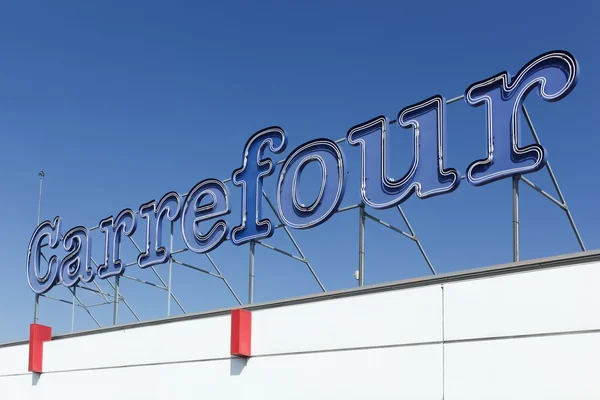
(37, 282)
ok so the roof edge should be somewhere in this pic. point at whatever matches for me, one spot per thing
(463, 275)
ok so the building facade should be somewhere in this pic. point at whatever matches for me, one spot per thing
(526, 330)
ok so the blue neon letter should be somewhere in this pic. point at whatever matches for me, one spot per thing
(38, 283)
(555, 73)
(125, 223)
(331, 160)
(195, 212)
(250, 177)
(77, 265)
(427, 175)
(168, 207)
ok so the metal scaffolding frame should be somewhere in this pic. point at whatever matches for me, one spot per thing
(117, 296)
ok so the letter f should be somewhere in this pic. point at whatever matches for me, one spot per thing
(249, 177)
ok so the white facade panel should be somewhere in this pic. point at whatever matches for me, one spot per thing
(201, 339)
(18, 387)
(14, 360)
(550, 368)
(386, 318)
(405, 372)
(553, 300)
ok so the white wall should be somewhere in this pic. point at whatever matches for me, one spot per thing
(531, 335)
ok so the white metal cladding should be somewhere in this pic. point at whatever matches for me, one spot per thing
(195, 340)
(402, 372)
(381, 319)
(13, 360)
(545, 367)
(552, 300)
(527, 331)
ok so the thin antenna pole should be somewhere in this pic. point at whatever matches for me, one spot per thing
(41, 175)
(36, 306)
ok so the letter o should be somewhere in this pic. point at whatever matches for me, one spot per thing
(330, 158)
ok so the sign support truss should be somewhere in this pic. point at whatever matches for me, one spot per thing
(561, 202)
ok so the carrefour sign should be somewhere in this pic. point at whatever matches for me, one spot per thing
(552, 75)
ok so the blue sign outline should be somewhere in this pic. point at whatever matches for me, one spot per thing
(545, 73)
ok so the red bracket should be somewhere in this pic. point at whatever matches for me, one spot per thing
(38, 334)
(241, 333)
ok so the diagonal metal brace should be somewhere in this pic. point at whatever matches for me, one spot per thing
(287, 231)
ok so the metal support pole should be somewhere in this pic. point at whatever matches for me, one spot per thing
(36, 308)
(251, 273)
(170, 271)
(73, 311)
(36, 302)
(515, 205)
(361, 245)
(116, 302)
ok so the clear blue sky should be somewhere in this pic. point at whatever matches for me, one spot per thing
(121, 102)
